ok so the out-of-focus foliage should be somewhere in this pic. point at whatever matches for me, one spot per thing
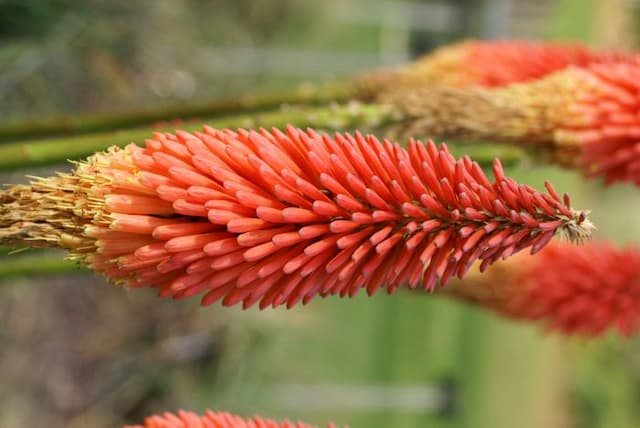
(76, 352)
(606, 386)
(61, 56)
(28, 18)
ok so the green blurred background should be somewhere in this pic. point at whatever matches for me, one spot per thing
(75, 352)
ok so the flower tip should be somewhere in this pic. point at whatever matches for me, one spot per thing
(579, 228)
(498, 170)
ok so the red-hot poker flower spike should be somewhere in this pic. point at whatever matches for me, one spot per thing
(215, 420)
(488, 64)
(279, 218)
(584, 290)
(584, 117)
(603, 121)
(502, 62)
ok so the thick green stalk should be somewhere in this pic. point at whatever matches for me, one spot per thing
(365, 117)
(51, 150)
(250, 103)
(43, 263)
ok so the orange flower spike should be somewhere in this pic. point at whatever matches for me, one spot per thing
(215, 420)
(502, 62)
(488, 64)
(278, 218)
(586, 118)
(603, 122)
(586, 290)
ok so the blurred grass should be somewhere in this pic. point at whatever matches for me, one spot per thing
(572, 20)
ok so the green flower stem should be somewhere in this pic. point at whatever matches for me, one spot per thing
(251, 103)
(365, 117)
(52, 150)
(45, 263)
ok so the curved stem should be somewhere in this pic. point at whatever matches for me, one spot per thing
(246, 104)
(48, 151)
(365, 117)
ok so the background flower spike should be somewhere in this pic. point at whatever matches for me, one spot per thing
(486, 63)
(280, 217)
(580, 117)
(586, 290)
(184, 419)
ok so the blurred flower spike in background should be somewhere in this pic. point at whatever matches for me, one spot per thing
(216, 420)
(572, 289)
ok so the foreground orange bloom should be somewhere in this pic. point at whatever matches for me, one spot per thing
(587, 118)
(279, 218)
(588, 290)
(215, 420)
(487, 64)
